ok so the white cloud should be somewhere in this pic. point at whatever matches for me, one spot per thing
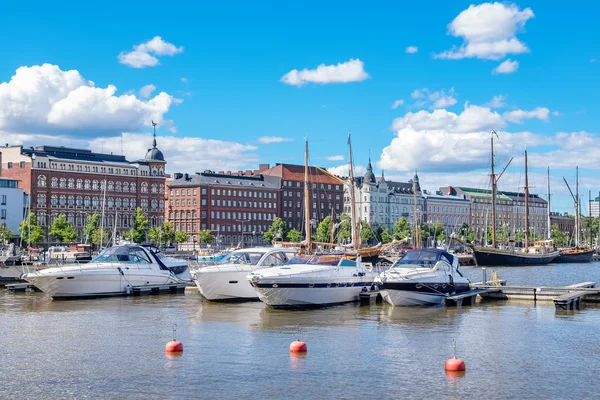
(497, 102)
(143, 55)
(506, 67)
(273, 139)
(344, 170)
(183, 154)
(412, 49)
(336, 158)
(489, 31)
(576, 148)
(184, 80)
(45, 99)
(349, 71)
(556, 113)
(444, 101)
(517, 116)
(418, 93)
(397, 104)
(147, 90)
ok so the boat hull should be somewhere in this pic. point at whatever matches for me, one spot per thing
(298, 295)
(499, 258)
(96, 284)
(224, 285)
(419, 294)
(581, 256)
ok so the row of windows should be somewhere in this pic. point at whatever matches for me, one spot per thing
(178, 203)
(314, 185)
(238, 228)
(238, 203)
(242, 216)
(80, 219)
(12, 165)
(184, 214)
(243, 193)
(155, 171)
(96, 202)
(183, 192)
(64, 183)
(448, 209)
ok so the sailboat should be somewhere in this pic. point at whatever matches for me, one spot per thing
(541, 253)
(577, 254)
(313, 279)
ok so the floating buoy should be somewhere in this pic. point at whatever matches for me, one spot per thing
(298, 347)
(174, 346)
(455, 364)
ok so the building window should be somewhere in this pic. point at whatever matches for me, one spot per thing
(53, 200)
(132, 187)
(144, 187)
(154, 204)
(154, 188)
(86, 201)
(54, 182)
(41, 181)
(87, 184)
(41, 200)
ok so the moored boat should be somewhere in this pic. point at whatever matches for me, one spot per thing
(574, 255)
(423, 277)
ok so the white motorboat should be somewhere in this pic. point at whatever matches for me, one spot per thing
(313, 280)
(113, 272)
(227, 279)
(422, 277)
(10, 267)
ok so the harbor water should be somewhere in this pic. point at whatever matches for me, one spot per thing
(114, 347)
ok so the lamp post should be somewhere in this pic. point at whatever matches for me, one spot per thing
(243, 221)
(194, 242)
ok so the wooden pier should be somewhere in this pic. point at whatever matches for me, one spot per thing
(158, 289)
(468, 298)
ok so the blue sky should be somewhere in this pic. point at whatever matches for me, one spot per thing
(233, 55)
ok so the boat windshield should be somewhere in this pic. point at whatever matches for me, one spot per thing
(425, 258)
(119, 254)
(242, 257)
(323, 259)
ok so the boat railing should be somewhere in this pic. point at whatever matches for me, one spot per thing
(80, 267)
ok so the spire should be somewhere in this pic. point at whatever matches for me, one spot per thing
(416, 186)
(382, 176)
(154, 134)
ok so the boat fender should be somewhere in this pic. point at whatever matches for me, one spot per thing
(120, 271)
(451, 280)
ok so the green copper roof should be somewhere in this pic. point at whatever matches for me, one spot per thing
(484, 194)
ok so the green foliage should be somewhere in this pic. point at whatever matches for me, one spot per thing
(344, 230)
(62, 230)
(385, 235)
(206, 236)
(140, 228)
(436, 230)
(181, 237)
(323, 233)
(466, 233)
(366, 233)
(90, 226)
(277, 230)
(162, 235)
(31, 231)
(5, 234)
(100, 236)
(294, 236)
(402, 229)
(559, 237)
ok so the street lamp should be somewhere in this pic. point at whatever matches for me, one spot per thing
(194, 242)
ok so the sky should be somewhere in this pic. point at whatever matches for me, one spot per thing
(420, 85)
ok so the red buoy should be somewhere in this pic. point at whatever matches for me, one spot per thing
(455, 364)
(174, 346)
(298, 347)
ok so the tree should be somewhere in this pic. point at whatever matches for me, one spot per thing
(425, 233)
(466, 233)
(31, 231)
(181, 237)
(344, 231)
(140, 228)
(5, 234)
(206, 236)
(366, 233)
(294, 236)
(437, 232)
(277, 230)
(100, 236)
(90, 226)
(62, 230)
(323, 233)
(402, 229)
(385, 235)
(162, 235)
(559, 237)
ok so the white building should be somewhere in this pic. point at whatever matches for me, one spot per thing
(595, 207)
(449, 210)
(381, 202)
(12, 201)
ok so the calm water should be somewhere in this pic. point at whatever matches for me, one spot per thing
(114, 348)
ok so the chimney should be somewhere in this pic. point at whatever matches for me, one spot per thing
(186, 177)
(263, 167)
(249, 172)
(221, 172)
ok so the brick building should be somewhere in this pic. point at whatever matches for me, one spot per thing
(72, 182)
(326, 194)
(236, 207)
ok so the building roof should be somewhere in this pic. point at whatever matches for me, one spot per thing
(214, 179)
(369, 176)
(71, 153)
(440, 196)
(154, 154)
(293, 172)
(483, 194)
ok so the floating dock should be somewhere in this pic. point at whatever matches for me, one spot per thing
(22, 287)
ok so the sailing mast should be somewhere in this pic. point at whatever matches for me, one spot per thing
(353, 219)
(577, 206)
(495, 180)
(102, 218)
(549, 235)
(416, 216)
(526, 204)
(306, 198)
